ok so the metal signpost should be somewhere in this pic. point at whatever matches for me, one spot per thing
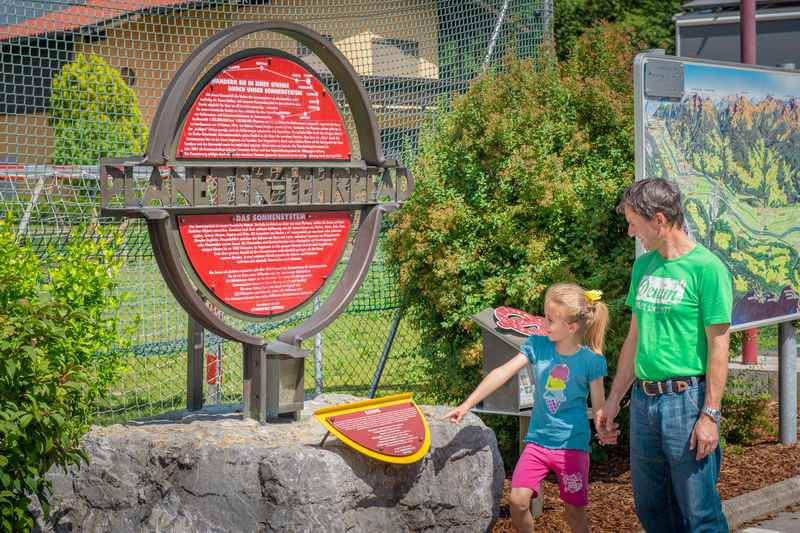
(251, 193)
(725, 133)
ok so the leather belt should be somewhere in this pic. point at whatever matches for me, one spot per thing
(671, 385)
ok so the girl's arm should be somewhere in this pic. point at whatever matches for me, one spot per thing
(598, 393)
(493, 381)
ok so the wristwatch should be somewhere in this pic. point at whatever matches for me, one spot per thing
(714, 414)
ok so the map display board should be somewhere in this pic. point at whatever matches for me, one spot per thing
(391, 429)
(264, 263)
(729, 137)
(264, 107)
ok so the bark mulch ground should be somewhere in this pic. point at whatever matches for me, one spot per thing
(611, 502)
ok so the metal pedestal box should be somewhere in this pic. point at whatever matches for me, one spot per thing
(499, 346)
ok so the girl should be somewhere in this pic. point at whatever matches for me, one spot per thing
(565, 372)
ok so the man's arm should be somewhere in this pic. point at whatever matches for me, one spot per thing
(719, 337)
(604, 417)
(705, 435)
(627, 356)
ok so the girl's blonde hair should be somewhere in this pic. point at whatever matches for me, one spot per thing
(584, 307)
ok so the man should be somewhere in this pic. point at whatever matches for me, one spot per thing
(676, 356)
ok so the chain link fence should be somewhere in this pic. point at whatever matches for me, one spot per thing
(412, 56)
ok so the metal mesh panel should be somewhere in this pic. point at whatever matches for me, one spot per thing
(412, 55)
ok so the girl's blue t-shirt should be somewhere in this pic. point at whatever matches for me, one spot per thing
(562, 387)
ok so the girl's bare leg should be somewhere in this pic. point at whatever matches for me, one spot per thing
(577, 518)
(521, 517)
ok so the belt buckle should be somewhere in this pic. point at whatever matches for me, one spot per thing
(646, 383)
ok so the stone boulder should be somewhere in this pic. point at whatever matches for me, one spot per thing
(213, 471)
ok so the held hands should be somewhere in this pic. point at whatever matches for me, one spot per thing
(607, 429)
(456, 415)
(705, 437)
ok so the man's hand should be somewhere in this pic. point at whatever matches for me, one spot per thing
(456, 415)
(607, 429)
(705, 437)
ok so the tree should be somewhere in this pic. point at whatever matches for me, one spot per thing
(651, 20)
(95, 113)
(516, 186)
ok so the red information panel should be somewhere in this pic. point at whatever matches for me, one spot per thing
(264, 263)
(395, 430)
(264, 107)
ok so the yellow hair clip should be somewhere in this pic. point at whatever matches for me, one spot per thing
(593, 296)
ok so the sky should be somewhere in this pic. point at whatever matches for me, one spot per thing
(717, 82)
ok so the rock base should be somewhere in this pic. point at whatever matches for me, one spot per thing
(215, 471)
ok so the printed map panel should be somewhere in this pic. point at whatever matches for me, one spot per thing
(732, 144)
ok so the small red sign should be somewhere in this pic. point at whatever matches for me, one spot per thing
(519, 321)
(264, 107)
(396, 430)
(264, 263)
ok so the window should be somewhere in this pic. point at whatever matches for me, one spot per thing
(128, 75)
(407, 47)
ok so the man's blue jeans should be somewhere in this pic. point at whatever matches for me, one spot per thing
(673, 491)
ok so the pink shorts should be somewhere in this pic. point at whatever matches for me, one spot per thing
(571, 467)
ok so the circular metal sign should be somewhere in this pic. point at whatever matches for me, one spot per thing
(264, 106)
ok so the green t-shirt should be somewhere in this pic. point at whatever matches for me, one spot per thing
(674, 300)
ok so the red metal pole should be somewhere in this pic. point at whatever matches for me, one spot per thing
(747, 25)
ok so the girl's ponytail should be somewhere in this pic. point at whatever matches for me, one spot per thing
(596, 326)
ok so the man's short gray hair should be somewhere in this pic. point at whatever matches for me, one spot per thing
(654, 195)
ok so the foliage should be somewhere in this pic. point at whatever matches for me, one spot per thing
(650, 20)
(94, 112)
(744, 414)
(746, 149)
(56, 327)
(515, 189)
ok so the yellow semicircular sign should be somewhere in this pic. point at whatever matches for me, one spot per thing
(391, 429)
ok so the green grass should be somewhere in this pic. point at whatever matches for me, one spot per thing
(154, 379)
(351, 349)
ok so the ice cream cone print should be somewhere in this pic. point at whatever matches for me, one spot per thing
(552, 405)
(554, 388)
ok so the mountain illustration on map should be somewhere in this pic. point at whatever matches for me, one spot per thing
(736, 158)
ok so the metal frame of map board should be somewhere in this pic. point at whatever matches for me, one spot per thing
(664, 80)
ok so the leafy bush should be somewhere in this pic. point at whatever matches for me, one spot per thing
(516, 186)
(94, 112)
(56, 328)
(745, 414)
(515, 189)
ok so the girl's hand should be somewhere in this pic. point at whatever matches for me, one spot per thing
(456, 415)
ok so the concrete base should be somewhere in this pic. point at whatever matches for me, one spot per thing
(762, 377)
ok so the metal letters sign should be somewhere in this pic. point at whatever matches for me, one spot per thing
(249, 187)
